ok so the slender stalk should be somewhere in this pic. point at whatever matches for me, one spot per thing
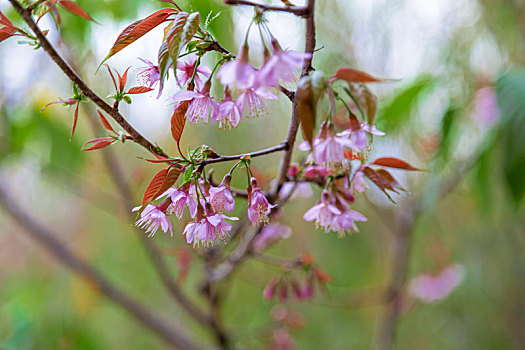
(277, 148)
(300, 11)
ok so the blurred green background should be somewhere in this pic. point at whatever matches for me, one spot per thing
(459, 103)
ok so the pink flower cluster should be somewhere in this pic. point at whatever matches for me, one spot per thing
(207, 205)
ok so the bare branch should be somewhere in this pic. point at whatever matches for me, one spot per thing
(300, 11)
(220, 159)
(172, 334)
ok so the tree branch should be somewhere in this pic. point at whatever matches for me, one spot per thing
(173, 335)
(68, 71)
(300, 11)
(220, 159)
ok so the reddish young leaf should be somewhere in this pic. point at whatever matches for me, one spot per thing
(380, 181)
(75, 119)
(122, 80)
(6, 32)
(99, 144)
(112, 77)
(138, 90)
(355, 76)
(98, 139)
(394, 163)
(75, 9)
(394, 184)
(159, 161)
(178, 120)
(170, 179)
(105, 122)
(69, 101)
(137, 29)
(348, 154)
(5, 21)
(154, 186)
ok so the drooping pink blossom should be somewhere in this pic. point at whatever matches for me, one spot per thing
(151, 218)
(207, 228)
(259, 208)
(179, 199)
(251, 101)
(150, 75)
(281, 66)
(270, 234)
(323, 213)
(359, 135)
(295, 190)
(221, 198)
(238, 74)
(327, 146)
(429, 288)
(185, 71)
(228, 114)
(199, 106)
(346, 221)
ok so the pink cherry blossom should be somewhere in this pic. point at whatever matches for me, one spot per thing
(313, 171)
(251, 101)
(345, 222)
(221, 198)
(199, 106)
(358, 183)
(359, 136)
(281, 66)
(429, 288)
(327, 147)
(238, 74)
(151, 218)
(185, 71)
(150, 75)
(228, 114)
(259, 208)
(270, 234)
(207, 228)
(300, 190)
(179, 199)
(323, 213)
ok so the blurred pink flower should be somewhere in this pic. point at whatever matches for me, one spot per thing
(221, 198)
(323, 213)
(228, 114)
(199, 107)
(185, 71)
(259, 208)
(151, 218)
(300, 190)
(270, 234)
(345, 222)
(429, 288)
(359, 137)
(206, 230)
(281, 66)
(238, 74)
(313, 171)
(251, 101)
(486, 111)
(358, 183)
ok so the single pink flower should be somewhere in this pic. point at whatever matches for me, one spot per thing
(199, 106)
(151, 218)
(324, 213)
(429, 288)
(228, 114)
(238, 74)
(359, 135)
(221, 198)
(150, 75)
(251, 101)
(327, 146)
(314, 171)
(259, 208)
(185, 71)
(345, 222)
(270, 234)
(179, 199)
(207, 228)
(281, 66)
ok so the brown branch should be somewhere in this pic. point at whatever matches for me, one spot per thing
(220, 159)
(172, 334)
(300, 11)
(68, 71)
(294, 122)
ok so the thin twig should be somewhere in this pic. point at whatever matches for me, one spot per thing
(300, 11)
(172, 334)
(220, 159)
(68, 71)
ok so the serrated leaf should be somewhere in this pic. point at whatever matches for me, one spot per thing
(112, 76)
(355, 76)
(394, 163)
(138, 90)
(154, 186)
(383, 180)
(178, 120)
(98, 144)
(75, 9)
(75, 119)
(122, 80)
(139, 28)
(170, 179)
(189, 30)
(6, 32)
(164, 62)
(174, 37)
